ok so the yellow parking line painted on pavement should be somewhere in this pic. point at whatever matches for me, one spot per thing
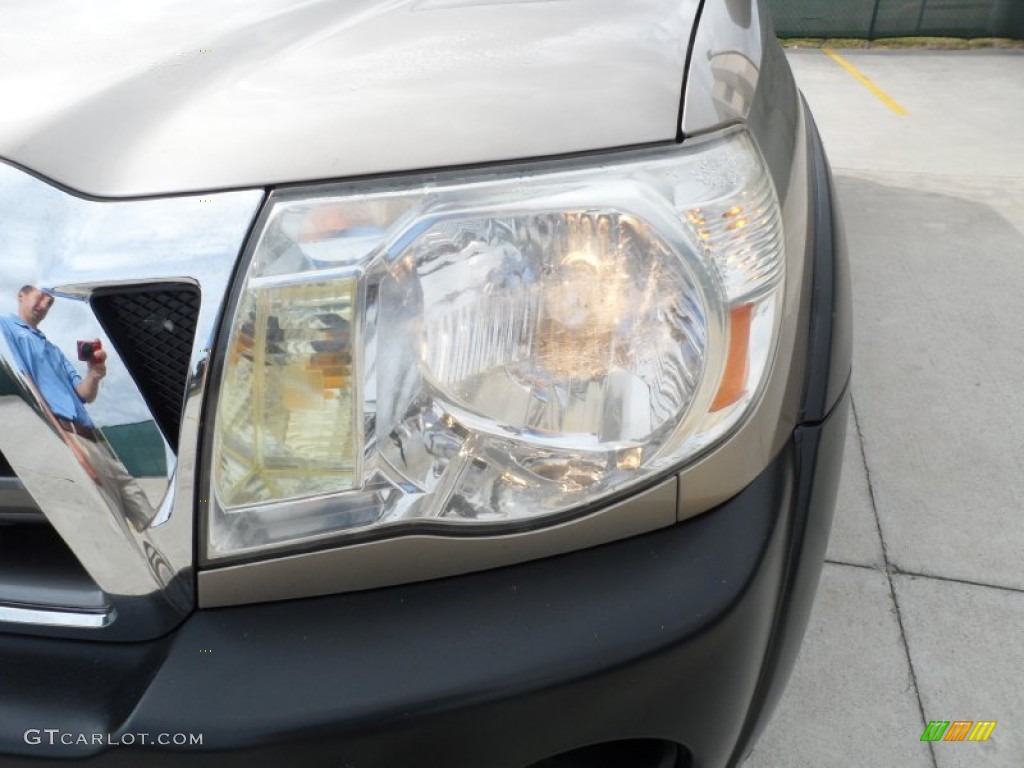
(881, 95)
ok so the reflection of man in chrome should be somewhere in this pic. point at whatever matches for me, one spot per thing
(64, 393)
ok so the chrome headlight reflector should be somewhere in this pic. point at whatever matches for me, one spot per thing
(492, 346)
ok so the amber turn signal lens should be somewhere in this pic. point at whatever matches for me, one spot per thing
(734, 380)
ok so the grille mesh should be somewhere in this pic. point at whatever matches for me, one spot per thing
(153, 328)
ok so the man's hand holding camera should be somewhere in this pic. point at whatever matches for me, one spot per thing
(92, 353)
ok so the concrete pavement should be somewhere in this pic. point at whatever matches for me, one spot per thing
(920, 614)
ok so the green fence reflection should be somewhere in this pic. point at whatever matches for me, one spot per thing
(140, 448)
(874, 19)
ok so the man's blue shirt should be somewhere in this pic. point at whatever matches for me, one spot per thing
(54, 375)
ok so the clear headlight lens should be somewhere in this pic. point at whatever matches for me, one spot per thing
(492, 347)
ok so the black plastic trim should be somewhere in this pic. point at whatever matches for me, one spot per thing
(38, 570)
(830, 335)
(17, 504)
(820, 447)
(153, 328)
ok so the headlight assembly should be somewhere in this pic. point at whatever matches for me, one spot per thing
(481, 348)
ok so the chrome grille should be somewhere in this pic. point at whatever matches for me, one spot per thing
(97, 509)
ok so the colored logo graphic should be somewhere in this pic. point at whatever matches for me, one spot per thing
(958, 730)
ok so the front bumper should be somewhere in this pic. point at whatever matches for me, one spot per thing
(682, 634)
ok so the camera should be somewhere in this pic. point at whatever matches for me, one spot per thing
(87, 350)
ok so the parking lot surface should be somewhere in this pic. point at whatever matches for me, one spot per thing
(920, 612)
